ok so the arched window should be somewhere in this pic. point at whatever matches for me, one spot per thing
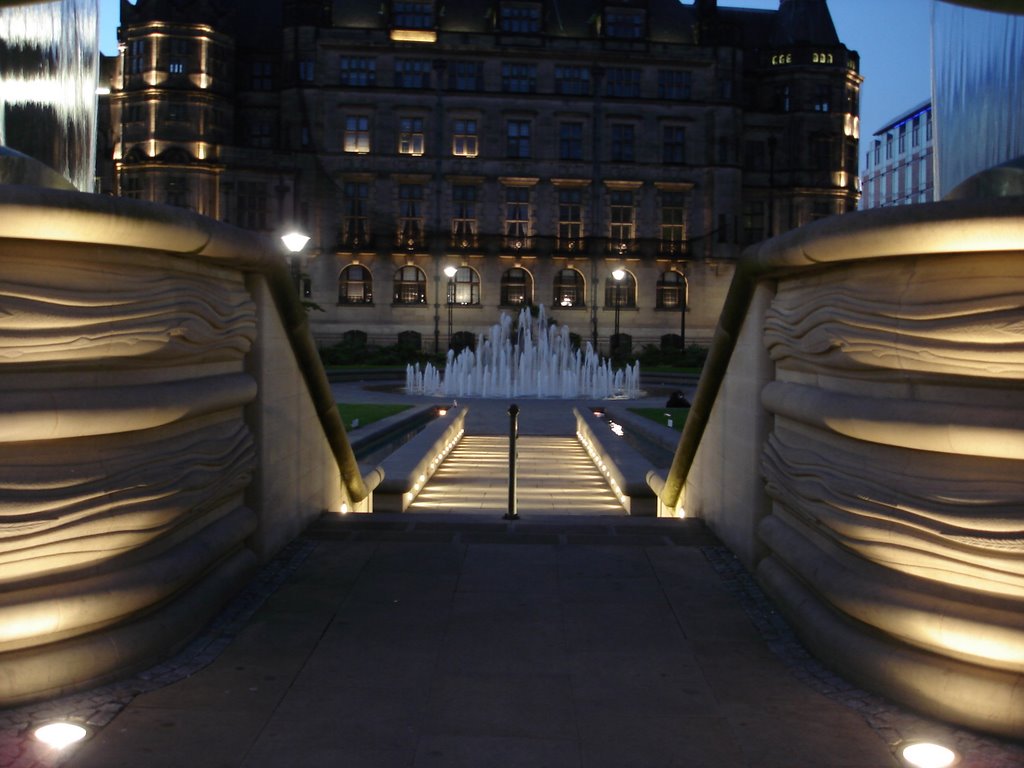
(671, 290)
(620, 293)
(569, 289)
(355, 285)
(516, 288)
(410, 286)
(464, 287)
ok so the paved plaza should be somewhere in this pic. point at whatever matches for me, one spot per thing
(439, 639)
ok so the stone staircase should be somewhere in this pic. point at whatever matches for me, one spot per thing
(555, 477)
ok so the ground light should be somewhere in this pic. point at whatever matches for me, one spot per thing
(928, 755)
(59, 735)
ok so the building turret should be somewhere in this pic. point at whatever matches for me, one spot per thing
(804, 22)
(171, 105)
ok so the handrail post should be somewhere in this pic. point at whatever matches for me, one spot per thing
(513, 458)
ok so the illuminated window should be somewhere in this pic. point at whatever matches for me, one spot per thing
(355, 285)
(517, 216)
(621, 217)
(519, 78)
(623, 148)
(674, 84)
(465, 140)
(464, 215)
(620, 293)
(622, 82)
(572, 81)
(673, 145)
(356, 216)
(410, 136)
(516, 288)
(307, 71)
(410, 286)
(624, 23)
(518, 139)
(358, 71)
(412, 73)
(673, 222)
(357, 134)
(670, 290)
(464, 288)
(569, 290)
(410, 215)
(570, 219)
(406, 15)
(180, 52)
(519, 19)
(465, 75)
(570, 141)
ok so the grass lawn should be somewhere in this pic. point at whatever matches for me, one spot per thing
(367, 413)
(658, 415)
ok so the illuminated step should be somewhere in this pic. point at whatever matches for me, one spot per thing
(554, 477)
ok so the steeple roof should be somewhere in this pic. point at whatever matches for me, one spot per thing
(804, 21)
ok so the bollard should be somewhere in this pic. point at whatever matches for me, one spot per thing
(513, 457)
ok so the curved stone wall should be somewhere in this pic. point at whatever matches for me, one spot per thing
(896, 470)
(151, 416)
(888, 521)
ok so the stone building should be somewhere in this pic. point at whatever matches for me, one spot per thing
(534, 148)
(898, 166)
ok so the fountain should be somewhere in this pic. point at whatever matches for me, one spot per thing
(49, 66)
(536, 359)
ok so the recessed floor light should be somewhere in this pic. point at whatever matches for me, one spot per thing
(928, 755)
(60, 735)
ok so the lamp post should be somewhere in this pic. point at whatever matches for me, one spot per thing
(618, 274)
(450, 272)
(294, 241)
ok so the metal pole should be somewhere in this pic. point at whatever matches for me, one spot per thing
(451, 302)
(682, 314)
(513, 457)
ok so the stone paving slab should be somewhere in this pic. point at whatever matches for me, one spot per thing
(590, 667)
(450, 653)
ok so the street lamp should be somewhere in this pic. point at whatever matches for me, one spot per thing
(618, 274)
(294, 241)
(450, 272)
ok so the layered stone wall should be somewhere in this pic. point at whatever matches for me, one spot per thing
(887, 518)
(157, 441)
